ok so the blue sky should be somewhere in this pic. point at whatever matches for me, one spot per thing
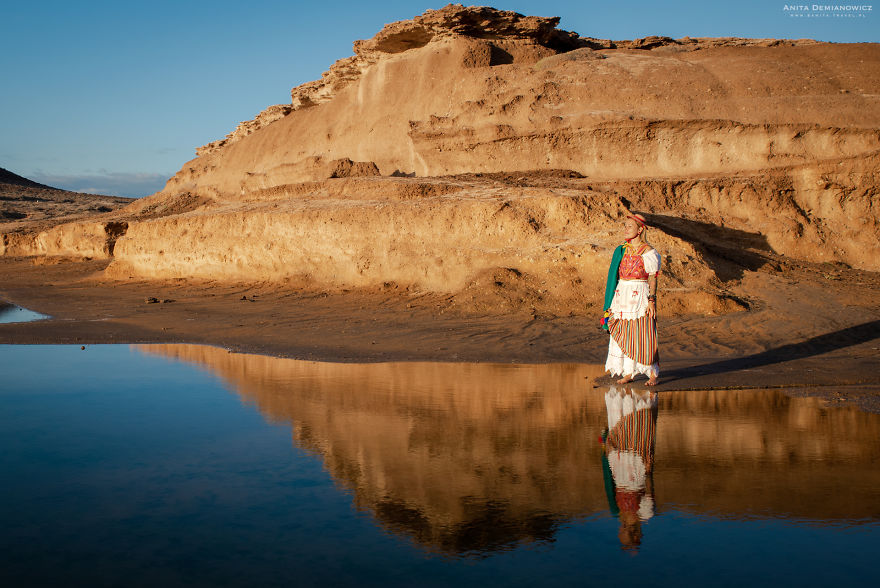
(113, 97)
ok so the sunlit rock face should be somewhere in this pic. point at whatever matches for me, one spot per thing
(474, 457)
(470, 141)
(774, 143)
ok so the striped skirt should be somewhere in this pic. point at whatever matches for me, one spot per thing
(632, 348)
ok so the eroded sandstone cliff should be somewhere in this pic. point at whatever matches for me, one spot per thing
(489, 155)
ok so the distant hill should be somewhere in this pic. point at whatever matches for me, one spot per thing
(7, 177)
(26, 205)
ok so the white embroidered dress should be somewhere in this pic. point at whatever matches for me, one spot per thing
(631, 302)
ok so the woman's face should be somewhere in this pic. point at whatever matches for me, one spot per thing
(631, 229)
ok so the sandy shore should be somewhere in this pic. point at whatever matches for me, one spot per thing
(814, 330)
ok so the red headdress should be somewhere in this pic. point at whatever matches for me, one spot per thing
(639, 219)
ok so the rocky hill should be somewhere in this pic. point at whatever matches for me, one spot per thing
(31, 213)
(7, 178)
(490, 155)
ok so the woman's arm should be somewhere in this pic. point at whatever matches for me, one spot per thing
(652, 295)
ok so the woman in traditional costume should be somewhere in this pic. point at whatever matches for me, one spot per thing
(631, 306)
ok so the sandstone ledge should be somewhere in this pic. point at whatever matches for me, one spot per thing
(495, 37)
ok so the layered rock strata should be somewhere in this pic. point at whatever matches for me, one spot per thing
(742, 152)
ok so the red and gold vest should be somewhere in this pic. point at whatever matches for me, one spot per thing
(632, 266)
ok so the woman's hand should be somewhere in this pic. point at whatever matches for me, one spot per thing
(652, 308)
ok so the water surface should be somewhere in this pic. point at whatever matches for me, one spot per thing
(10, 313)
(191, 465)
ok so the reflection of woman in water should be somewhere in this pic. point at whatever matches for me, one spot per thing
(631, 306)
(628, 461)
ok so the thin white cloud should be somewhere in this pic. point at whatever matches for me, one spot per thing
(132, 185)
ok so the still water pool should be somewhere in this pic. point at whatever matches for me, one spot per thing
(186, 465)
(10, 313)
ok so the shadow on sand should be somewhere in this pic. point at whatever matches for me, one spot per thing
(811, 347)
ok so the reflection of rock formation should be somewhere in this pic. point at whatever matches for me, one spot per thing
(760, 453)
(461, 457)
(472, 457)
(629, 459)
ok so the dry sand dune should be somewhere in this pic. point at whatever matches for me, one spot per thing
(478, 161)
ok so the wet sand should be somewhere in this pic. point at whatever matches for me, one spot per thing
(814, 330)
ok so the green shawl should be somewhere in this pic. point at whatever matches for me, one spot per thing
(611, 284)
